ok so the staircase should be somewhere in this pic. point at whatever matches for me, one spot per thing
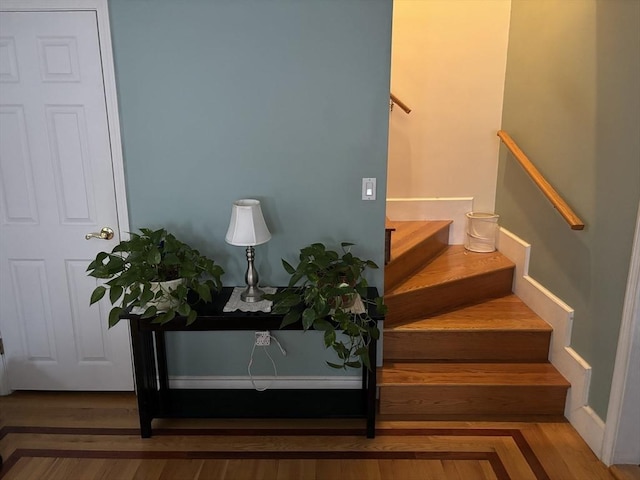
(457, 342)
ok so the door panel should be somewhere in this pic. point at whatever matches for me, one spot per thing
(57, 184)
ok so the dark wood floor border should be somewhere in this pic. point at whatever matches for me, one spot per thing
(4, 431)
(287, 432)
(187, 432)
(491, 457)
(529, 455)
(517, 436)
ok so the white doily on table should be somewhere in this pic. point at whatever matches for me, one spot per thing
(235, 303)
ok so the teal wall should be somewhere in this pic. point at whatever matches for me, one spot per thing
(572, 103)
(285, 101)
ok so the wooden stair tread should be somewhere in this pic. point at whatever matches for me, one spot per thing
(413, 245)
(410, 374)
(504, 313)
(453, 264)
(407, 234)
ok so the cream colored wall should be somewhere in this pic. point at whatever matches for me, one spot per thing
(448, 64)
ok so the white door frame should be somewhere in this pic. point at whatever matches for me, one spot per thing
(100, 7)
(620, 443)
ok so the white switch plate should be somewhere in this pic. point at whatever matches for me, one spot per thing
(368, 189)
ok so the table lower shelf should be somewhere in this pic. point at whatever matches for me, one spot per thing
(285, 403)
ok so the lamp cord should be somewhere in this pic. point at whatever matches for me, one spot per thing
(266, 351)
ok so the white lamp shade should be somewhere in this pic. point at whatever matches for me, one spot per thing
(247, 226)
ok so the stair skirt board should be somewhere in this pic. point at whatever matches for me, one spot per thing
(453, 208)
(560, 316)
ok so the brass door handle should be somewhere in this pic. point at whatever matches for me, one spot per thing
(105, 234)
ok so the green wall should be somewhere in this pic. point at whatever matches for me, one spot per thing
(572, 103)
(285, 101)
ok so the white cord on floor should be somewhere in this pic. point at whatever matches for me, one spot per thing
(266, 351)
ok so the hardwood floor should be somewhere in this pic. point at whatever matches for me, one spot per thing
(86, 436)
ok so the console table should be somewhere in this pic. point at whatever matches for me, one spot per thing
(157, 400)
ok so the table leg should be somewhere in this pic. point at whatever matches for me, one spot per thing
(145, 372)
(371, 389)
(163, 374)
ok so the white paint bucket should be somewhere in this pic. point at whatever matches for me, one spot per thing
(482, 230)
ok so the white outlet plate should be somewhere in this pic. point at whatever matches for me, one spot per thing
(263, 339)
(368, 189)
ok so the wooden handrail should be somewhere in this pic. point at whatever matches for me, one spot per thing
(400, 103)
(556, 200)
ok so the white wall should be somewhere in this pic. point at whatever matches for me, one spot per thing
(448, 65)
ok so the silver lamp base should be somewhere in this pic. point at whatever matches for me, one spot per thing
(252, 293)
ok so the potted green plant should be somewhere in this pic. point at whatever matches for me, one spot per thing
(155, 272)
(322, 293)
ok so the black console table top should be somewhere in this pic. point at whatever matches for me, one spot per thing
(157, 400)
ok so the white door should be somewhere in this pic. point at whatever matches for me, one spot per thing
(56, 185)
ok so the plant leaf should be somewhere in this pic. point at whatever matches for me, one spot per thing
(171, 259)
(146, 295)
(150, 312)
(115, 293)
(374, 332)
(289, 299)
(365, 361)
(114, 316)
(288, 268)
(192, 317)
(308, 317)
(322, 324)
(154, 257)
(166, 317)
(329, 337)
(289, 318)
(184, 309)
(295, 278)
(204, 292)
(97, 294)
(380, 306)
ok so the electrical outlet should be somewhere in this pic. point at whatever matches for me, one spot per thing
(263, 339)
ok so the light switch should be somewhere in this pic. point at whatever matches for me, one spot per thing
(368, 189)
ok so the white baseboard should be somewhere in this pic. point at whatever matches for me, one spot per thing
(560, 316)
(280, 382)
(407, 209)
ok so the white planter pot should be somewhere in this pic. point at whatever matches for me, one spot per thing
(165, 301)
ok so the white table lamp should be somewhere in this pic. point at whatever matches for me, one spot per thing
(247, 228)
